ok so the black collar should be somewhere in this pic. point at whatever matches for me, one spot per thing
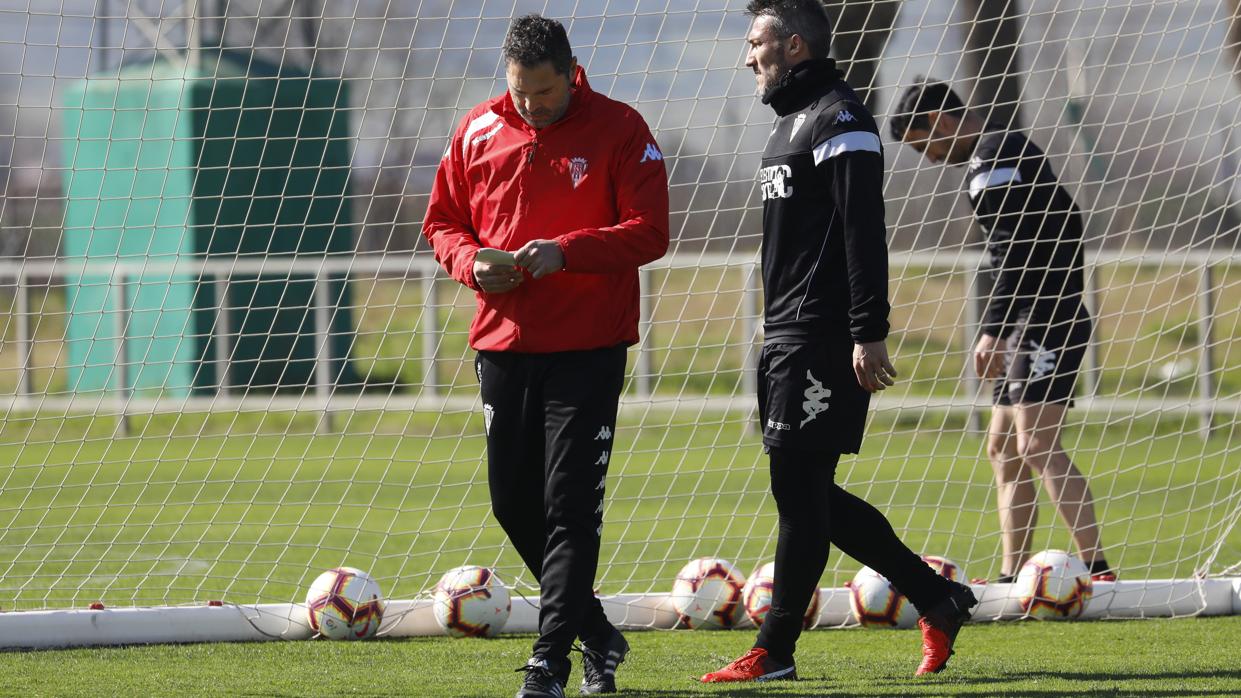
(798, 87)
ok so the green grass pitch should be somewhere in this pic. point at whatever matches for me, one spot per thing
(255, 517)
(1182, 657)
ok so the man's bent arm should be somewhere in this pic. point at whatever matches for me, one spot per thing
(642, 203)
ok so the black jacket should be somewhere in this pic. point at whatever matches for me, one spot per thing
(825, 255)
(1034, 237)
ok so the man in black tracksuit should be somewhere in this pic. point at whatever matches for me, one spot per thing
(1035, 329)
(826, 321)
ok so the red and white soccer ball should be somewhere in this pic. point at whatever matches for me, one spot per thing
(877, 604)
(707, 594)
(471, 601)
(757, 597)
(1053, 585)
(947, 568)
(345, 604)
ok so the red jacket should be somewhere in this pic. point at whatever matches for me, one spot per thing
(594, 182)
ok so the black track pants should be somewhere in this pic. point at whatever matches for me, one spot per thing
(550, 420)
(814, 513)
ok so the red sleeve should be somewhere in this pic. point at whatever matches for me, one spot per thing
(641, 187)
(447, 224)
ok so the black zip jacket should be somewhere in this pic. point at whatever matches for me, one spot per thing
(825, 254)
(1034, 237)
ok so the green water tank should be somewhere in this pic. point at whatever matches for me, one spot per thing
(233, 159)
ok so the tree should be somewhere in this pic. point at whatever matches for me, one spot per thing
(991, 37)
(861, 30)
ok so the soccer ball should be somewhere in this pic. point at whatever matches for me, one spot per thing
(707, 594)
(947, 568)
(345, 604)
(471, 602)
(757, 597)
(1054, 585)
(877, 604)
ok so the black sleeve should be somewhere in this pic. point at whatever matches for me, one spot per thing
(1005, 248)
(857, 189)
(1022, 243)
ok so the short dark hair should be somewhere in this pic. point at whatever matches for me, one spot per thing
(806, 18)
(926, 95)
(534, 39)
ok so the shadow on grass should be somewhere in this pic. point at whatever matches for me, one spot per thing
(1005, 684)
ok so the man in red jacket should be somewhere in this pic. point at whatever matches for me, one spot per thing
(573, 184)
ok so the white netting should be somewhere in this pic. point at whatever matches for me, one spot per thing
(228, 363)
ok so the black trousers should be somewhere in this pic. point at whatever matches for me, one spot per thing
(550, 420)
(815, 513)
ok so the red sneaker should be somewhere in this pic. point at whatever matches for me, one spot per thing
(940, 627)
(754, 665)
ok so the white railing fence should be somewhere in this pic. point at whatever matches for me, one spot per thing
(325, 398)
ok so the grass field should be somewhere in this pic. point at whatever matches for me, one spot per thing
(1185, 657)
(249, 508)
(255, 518)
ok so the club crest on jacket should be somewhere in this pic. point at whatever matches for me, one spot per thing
(577, 170)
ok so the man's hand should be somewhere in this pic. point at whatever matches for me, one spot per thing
(540, 257)
(989, 356)
(496, 278)
(873, 368)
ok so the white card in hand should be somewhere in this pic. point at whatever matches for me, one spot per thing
(490, 255)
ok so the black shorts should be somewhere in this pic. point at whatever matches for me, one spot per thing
(809, 398)
(1042, 367)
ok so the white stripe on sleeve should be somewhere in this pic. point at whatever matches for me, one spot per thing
(993, 178)
(846, 143)
(478, 124)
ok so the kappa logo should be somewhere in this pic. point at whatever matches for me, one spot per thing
(779, 426)
(577, 170)
(1044, 361)
(845, 117)
(488, 124)
(773, 181)
(651, 154)
(487, 136)
(801, 119)
(489, 413)
(816, 399)
(605, 433)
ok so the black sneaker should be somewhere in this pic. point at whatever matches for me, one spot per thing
(544, 679)
(599, 664)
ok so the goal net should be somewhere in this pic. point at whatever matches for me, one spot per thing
(229, 362)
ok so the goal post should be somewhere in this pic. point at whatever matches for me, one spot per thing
(236, 365)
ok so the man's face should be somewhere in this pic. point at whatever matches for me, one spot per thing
(940, 143)
(540, 94)
(767, 55)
